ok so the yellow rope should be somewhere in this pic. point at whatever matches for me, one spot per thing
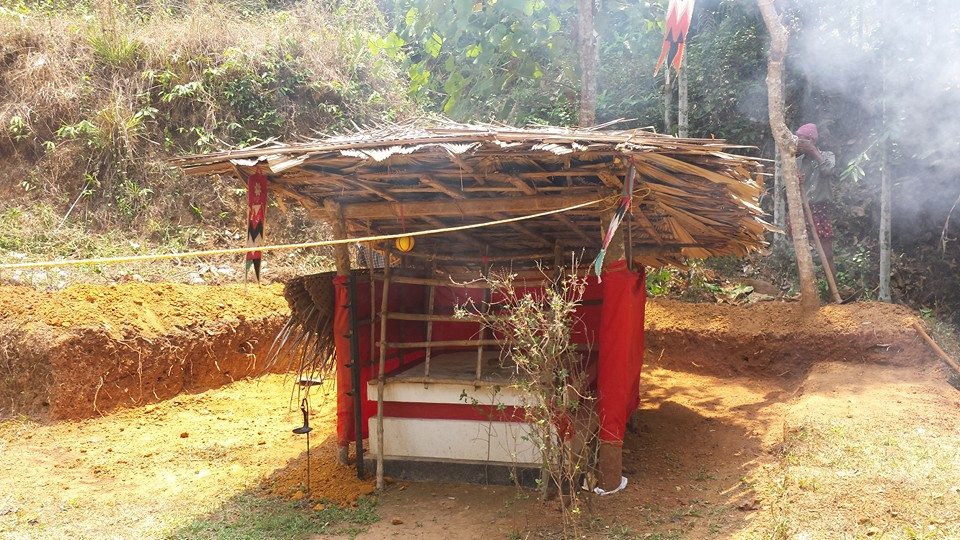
(233, 251)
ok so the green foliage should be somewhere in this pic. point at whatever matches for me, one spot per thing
(114, 49)
(517, 62)
(83, 130)
(661, 281)
(480, 59)
(100, 94)
(18, 128)
(727, 63)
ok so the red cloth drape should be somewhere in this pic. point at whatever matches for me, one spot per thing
(341, 340)
(403, 298)
(621, 349)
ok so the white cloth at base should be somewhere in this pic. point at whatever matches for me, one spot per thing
(623, 483)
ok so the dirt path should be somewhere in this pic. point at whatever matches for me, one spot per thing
(840, 451)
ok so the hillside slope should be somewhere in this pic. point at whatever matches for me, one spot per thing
(93, 100)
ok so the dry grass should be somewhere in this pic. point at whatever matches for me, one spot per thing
(95, 97)
(866, 455)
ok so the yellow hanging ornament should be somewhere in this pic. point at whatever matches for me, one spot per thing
(404, 244)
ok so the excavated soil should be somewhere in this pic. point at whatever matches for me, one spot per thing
(778, 337)
(755, 422)
(90, 349)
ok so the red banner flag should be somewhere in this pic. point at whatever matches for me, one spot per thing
(679, 15)
(257, 207)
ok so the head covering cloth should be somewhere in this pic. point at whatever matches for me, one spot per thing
(808, 136)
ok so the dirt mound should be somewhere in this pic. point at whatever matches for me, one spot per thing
(143, 309)
(89, 349)
(778, 337)
(329, 480)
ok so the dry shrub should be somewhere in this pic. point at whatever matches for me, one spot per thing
(551, 372)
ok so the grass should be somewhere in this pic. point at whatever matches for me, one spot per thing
(250, 517)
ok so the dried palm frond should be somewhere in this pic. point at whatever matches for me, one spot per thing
(305, 342)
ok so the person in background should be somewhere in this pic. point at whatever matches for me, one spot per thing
(816, 169)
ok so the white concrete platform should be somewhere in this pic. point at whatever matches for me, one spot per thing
(458, 400)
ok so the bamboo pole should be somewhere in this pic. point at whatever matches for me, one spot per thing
(469, 207)
(430, 318)
(384, 307)
(823, 256)
(936, 348)
(476, 258)
(451, 343)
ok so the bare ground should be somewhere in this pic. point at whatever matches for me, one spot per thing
(755, 423)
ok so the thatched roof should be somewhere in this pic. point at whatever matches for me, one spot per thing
(693, 198)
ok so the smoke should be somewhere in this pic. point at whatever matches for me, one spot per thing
(887, 66)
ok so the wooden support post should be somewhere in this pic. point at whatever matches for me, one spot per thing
(341, 252)
(827, 269)
(936, 348)
(430, 301)
(341, 255)
(384, 308)
(615, 251)
(610, 455)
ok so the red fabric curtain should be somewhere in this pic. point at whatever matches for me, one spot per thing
(403, 298)
(621, 349)
(611, 312)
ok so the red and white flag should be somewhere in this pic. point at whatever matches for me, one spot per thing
(257, 208)
(679, 14)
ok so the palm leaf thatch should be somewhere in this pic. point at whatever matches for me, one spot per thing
(305, 343)
(693, 198)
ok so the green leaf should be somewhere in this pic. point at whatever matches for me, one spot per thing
(434, 45)
(553, 23)
(448, 105)
(411, 17)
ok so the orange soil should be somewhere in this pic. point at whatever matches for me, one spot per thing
(775, 318)
(709, 435)
(92, 348)
(148, 309)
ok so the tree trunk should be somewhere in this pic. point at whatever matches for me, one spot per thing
(683, 103)
(885, 225)
(779, 204)
(588, 63)
(885, 188)
(667, 101)
(787, 146)
(886, 197)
